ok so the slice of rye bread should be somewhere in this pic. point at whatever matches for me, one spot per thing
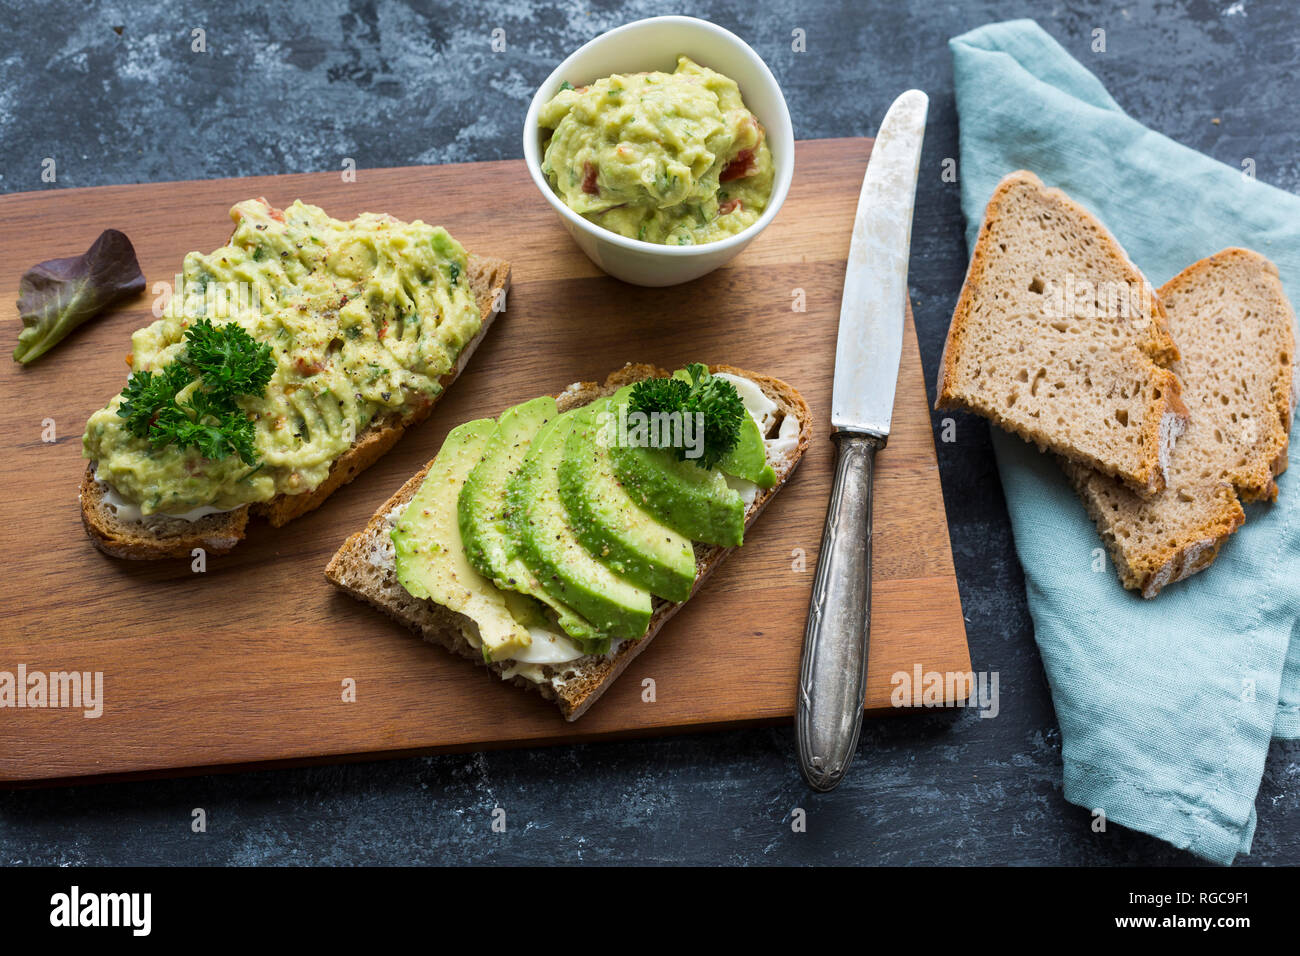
(1058, 338)
(363, 567)
(1234, 326)
(162, 537)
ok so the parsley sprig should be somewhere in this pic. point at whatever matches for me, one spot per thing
(715, 398)
(191, 403)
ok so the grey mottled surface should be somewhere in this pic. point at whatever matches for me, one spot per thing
(297, 87)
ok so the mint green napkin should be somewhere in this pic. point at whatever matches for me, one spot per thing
(1166, 706)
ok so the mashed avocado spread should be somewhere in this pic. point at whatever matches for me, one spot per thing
(362, 318)
(670, 158)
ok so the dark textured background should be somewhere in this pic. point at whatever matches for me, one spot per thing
(113, 92)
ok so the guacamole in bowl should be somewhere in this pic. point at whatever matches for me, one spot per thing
(667, 158)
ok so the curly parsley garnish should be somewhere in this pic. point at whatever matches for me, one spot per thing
(191, 403)
(715, 399)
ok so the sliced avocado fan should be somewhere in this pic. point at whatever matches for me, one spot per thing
(608, 523)
(543, 519)
(550, 548)
(485, 526)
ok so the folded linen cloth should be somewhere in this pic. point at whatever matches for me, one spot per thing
(1166, 706)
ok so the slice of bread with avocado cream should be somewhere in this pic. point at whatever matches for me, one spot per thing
(366, 565)
(116, 531)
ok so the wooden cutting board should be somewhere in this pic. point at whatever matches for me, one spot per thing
(247, 661)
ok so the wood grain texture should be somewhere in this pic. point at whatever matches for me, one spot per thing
(244, 663)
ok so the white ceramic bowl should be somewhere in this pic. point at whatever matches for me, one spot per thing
(655, 44)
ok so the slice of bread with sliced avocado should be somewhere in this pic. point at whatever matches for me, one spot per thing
(533, 533)
(1235, 330)
(159, 536)
(1058, 338)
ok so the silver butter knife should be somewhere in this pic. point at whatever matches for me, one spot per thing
(833, 672)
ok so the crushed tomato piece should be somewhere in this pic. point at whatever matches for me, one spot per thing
(739, 167)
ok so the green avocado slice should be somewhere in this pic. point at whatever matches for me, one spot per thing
(748, 458)
(694, 501)
(485, 525)
(609, 524)
(430, 557)
(549, 547)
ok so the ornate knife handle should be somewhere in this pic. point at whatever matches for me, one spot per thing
(833, 672)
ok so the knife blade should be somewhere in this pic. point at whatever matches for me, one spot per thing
(870, 340)
(833, 669)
